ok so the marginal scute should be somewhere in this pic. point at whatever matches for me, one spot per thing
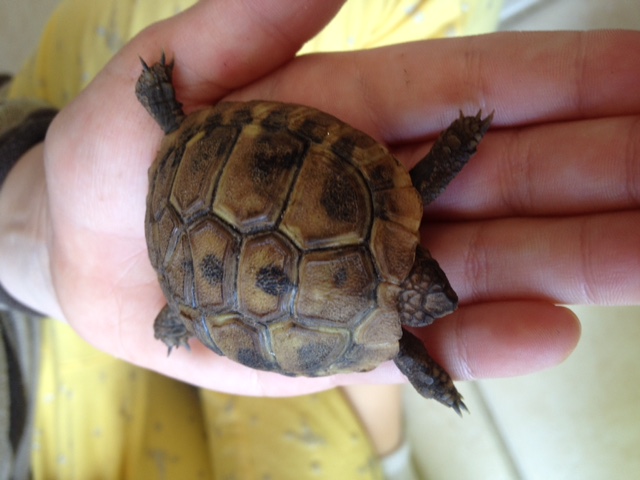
(387, 295)
(271, 117)
(237, 340)
(160, 177)
(350, 144)
(163, 231)
(178, 272)
(382, 170)
(363, 358)
(400, 205)
(313, 124)
(380, 327)
(393, 249)
(303, 351)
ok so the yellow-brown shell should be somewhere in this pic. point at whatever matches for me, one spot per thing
(281, 234)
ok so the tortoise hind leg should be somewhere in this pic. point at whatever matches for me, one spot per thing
(426, 292)
(170, 328)
(426, 295)
(426, 376)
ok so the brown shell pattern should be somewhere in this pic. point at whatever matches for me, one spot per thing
(281, 234)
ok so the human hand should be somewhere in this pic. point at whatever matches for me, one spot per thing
(490, 231)
(547, 213)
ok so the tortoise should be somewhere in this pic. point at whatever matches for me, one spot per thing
(288, 241)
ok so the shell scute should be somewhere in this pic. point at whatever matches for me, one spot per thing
(330, 206)
(214, 249)
(254, 185)
(307, 351)
(197, 174)
(393, 248)
(336, 286)
(267, 276)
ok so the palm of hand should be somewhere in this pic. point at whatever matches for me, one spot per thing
(508, 261)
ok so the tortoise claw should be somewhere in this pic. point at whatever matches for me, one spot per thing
(427, 377)
(145, 67)
(169, 328)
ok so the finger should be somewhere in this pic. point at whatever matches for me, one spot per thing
(553, 169)
(502, 339)
(218, 44)
(576, 260)
(407, 92)
(100, 146)
(479, 341)
(222, 45)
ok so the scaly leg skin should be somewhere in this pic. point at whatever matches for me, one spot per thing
(426, 376)
(426, 295)
(426, 292)
(449, 154)
(155, 91)
(169, 328)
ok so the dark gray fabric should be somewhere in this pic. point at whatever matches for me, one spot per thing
(16, 140)
(23, 124)
(7, 302)
(19, 362)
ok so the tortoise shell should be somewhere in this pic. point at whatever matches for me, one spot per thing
(281, 236)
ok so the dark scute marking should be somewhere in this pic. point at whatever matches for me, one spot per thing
(252, 359)
(276, 118)
(225, 137)
(181, 142)
(385, 205)
(381, 214)
(242, 115)
(271, 158)
(311, 356)
(344, 146)
(339, 200)
(212, 122)
(352, 359)
(273, 281)
(315, 128)
(382, 177)
(212, 270)
(340, 277)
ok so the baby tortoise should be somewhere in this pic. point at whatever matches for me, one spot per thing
(288, 241)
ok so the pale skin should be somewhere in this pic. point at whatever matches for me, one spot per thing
(547, 213)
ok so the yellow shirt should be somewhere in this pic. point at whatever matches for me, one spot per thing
(98, 417)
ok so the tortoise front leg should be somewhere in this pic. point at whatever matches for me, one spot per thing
(449, 154)
(170, 328)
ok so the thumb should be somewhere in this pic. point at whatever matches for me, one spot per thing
(219, 45)
(223, 45)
